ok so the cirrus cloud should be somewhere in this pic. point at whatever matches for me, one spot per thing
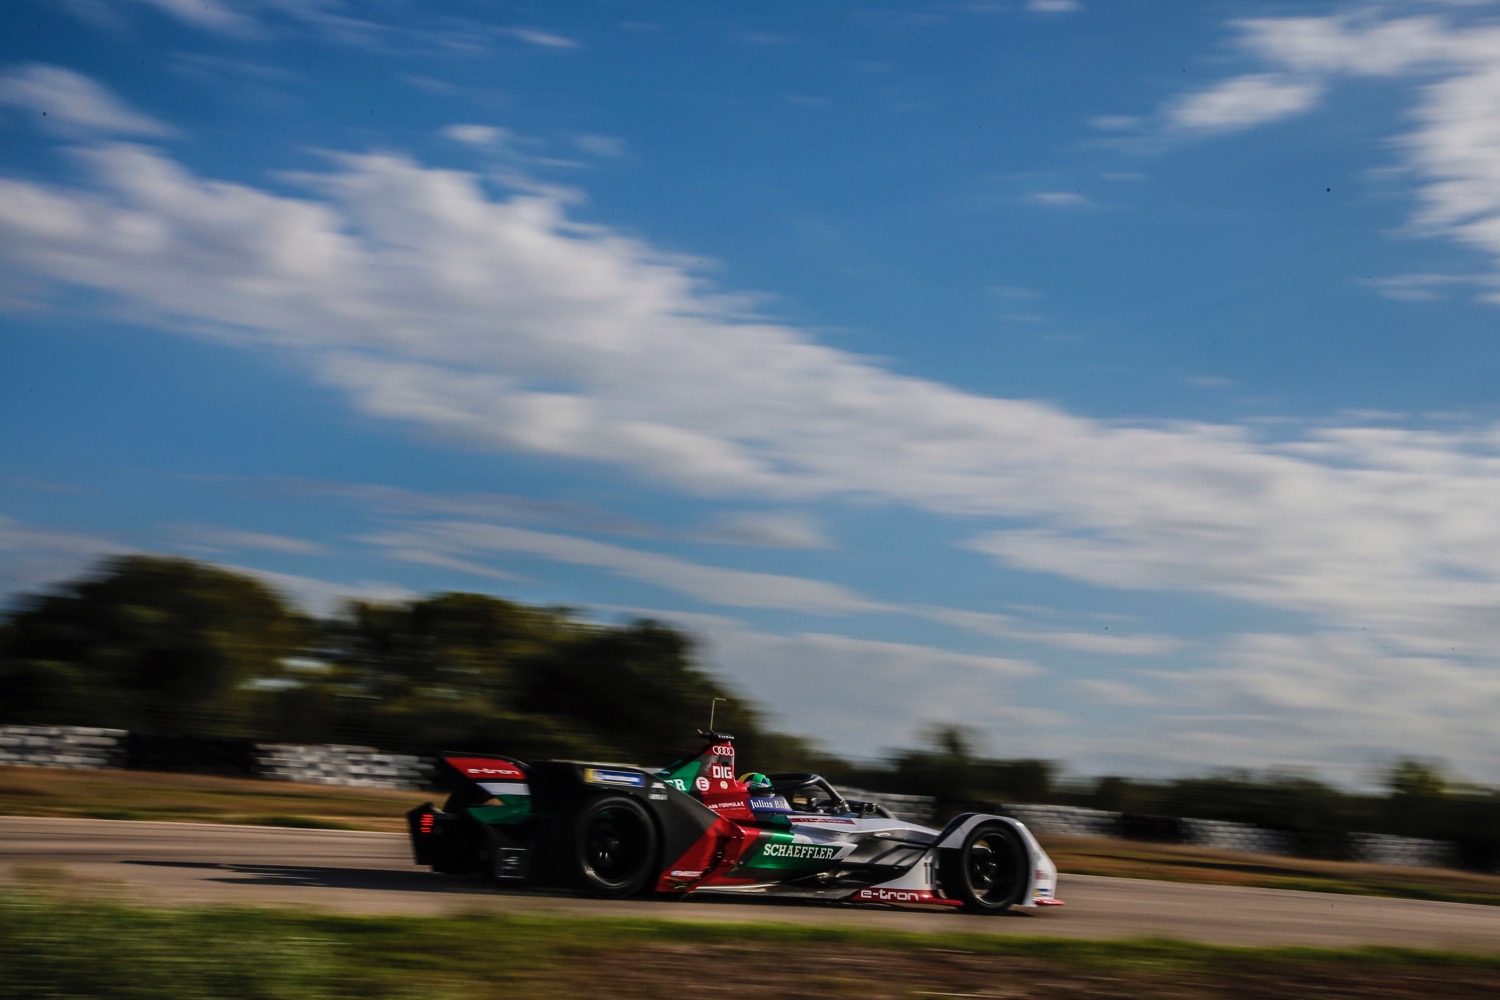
(74, 104)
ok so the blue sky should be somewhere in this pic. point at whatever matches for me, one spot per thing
(1116, 379)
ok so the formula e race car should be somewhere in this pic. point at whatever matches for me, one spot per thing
(694, 828)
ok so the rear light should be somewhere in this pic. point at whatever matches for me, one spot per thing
(425, 824)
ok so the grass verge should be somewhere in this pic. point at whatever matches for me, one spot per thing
(199, 798)
(55, 947)
(1184, 863)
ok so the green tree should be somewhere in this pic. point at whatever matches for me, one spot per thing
(447, 647)
(947, 768)
(1416, 779)
(636, 687)
(152, 644)
(1418, 801)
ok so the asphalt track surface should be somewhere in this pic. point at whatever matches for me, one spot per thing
(337, 871)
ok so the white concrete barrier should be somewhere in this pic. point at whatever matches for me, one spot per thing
(349, 766)
(1070, 821)
(1237, 837)
(62, 746)
(1385, 849)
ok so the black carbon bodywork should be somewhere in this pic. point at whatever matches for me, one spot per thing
(458, 841)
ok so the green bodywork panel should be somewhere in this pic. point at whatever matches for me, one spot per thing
(681, 777)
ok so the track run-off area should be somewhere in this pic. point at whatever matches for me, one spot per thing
(183, 864)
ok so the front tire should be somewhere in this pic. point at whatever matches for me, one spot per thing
(611, 847)
(988, 872)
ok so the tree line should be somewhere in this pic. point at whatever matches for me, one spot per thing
(175, 647)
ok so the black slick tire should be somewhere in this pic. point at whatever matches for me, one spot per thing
(988, 871)
(610, 847)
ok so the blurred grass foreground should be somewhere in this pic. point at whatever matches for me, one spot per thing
(53, 947)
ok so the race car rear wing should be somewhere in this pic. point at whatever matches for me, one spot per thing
(483, 777)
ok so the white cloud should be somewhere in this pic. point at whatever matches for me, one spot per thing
(1354, 45)
(1431, 287)
(542, 39)
(72, 103)
(217, 539)
(440, 543)
(859, 696)
(477, 135)
(1454, 150)
(600, 145)
(1113, 693)
(1103, 641)
(1014, 292)
(1054, 6)
(1346, 700)
(474, 506)
(425, 557)
(210, 15)
(772, 529)
(33, 558)
(1244, 102)
(715, 585)
(325, 597)
(1058, 199)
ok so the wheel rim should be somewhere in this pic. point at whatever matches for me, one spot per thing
(993, 869)
(614, 846)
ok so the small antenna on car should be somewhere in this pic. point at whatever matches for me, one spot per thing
(712, 708)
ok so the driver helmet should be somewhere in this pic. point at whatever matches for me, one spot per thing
(756, 783)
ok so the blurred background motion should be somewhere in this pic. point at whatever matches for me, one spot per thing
(200, 664)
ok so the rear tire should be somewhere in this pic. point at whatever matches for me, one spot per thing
(988, 872)
(611, 847)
